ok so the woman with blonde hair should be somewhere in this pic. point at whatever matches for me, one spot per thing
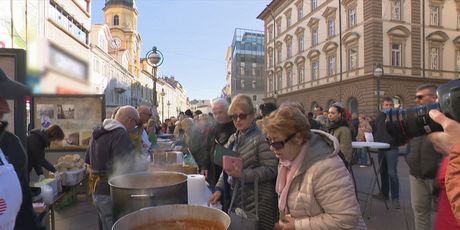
(259, 167)
(315, 190)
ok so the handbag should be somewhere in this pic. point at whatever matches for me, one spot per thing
(239, 219)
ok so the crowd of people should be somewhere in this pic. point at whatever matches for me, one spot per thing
(295, 164)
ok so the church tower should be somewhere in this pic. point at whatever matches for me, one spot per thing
(121, 17)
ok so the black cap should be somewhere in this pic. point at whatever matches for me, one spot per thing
(10, 89)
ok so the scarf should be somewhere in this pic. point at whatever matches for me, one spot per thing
(331, 125)
(286, 171)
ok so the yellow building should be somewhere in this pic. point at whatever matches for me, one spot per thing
(121, 17)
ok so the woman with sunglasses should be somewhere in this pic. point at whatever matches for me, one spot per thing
(259, 164)
(315, 190)
(338, 126)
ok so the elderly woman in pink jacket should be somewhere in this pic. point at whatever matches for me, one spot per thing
(314, 188)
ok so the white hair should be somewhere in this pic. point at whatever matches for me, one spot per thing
(221, 101)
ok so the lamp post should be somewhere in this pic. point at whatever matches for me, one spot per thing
(162, 94)
(154, 58)
(378, 73)
(168, 104)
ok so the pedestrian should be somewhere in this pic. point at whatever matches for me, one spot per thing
(423, 161)
(338, 126)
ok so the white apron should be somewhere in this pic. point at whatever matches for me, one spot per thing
(10, 194)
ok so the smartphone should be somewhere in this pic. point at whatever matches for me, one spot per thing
(229, 161)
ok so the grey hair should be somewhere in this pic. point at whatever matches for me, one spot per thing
(221, 101)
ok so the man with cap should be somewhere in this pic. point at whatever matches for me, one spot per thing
(14, 152)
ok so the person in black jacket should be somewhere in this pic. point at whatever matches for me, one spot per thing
(388, 157)
(37, 142)
(14, 151)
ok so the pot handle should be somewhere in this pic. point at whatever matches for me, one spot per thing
(142, 196)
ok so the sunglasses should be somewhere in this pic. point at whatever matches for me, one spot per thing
(279, 144)
(420, 97)
(241, 116)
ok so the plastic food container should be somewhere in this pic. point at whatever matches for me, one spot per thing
(71, 178)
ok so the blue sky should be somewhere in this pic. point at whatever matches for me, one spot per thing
(194, 36)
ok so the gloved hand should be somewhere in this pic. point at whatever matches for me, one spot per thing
(41, 177)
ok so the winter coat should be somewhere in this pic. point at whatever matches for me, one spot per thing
(343, 134)
(322, 194)
(453, 181)
(37, 141)
(110, 143)
(423, 160)
(380, 131)
(260, 162)
(363, 127)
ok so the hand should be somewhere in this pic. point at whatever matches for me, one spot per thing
(234, 172)
(215, 197)
(444, 141)
(286, 224)
(204, 172)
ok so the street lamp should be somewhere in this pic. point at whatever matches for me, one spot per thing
(154, 58)
(162, 94)
(378, 73)
(168, 104)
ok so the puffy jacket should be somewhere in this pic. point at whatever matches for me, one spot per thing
(423, 160)
(258, 161)
(322, 194)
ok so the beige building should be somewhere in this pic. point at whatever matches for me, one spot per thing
(312, 59)
(172, 97)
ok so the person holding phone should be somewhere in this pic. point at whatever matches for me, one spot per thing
(259, 163)
(315, 190)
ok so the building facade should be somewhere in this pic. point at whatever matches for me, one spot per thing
(172, 97)
(245, 65)
(55, 34)
(324, 51)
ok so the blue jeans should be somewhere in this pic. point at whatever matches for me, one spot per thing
(103, 205)
(389, 172)
(363, 158)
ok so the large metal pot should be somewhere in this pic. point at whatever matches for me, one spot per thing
(179, 214)
(131, 192)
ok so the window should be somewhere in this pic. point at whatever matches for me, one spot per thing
(270, 34)
(270, 59)
(458, 19)
(331, 65)
(278, 28)
(242, 69)
(396, 10)
(314, 70)
(254, 69)
(396, 54)
(279, 80)
(242, 83)
(434, 16)
(331, 27)
(288, 20)
(314, 5)
(300, 43)
(116, 20)
(457, 60)
(278, 55)
(270, 83)
(254, 97)
(314, 37)
(351, 17)
(300, 12)
(254, 84)
(289, 78)
(434, 57)
(352, 58)
(301, 73)
(289, 49)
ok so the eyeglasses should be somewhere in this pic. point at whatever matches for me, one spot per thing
(279, 144)
(241, 116)
(420, 97)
